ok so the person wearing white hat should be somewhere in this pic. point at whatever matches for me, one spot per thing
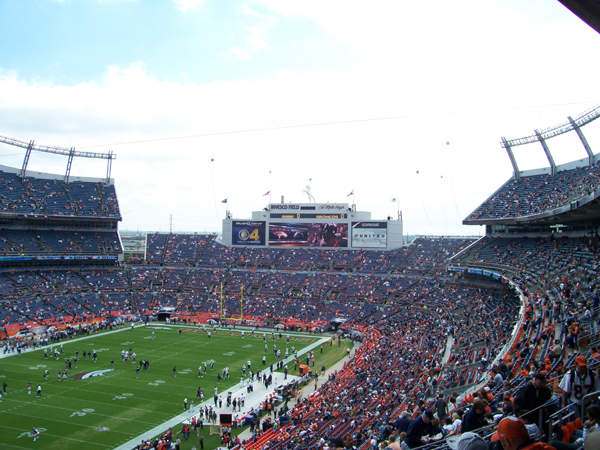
(467, 441)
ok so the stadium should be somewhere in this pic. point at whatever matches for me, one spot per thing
(434, 343)
(434, 317)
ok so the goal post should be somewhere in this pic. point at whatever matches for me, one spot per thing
(241, 318)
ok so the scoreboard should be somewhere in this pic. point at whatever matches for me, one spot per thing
(327, 225)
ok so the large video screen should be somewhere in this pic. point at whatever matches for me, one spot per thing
(248, 233)
(288, 234)
(328, 235)
(369, 234)
(308, 234)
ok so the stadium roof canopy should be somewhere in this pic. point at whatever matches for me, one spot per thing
(586, 10)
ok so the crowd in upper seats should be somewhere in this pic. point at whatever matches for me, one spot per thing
(553, 260)
(35, 241)
(539, 193)
(51, 198)
(184, 248)
(310, 294)
(563, 268)
(293, 291)
(204, 251)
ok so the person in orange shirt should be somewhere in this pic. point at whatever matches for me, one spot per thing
(512, 434)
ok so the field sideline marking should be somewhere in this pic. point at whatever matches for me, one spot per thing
(54, 436)
(92, 403)
(89, 427)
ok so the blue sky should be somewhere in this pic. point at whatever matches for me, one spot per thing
(72, 42)
(171, 85)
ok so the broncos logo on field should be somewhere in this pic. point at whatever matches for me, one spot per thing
(95, 373)
(31, 434)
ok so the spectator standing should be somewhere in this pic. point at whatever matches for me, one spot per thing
(577, 383)
(441, 407)
(419, 430)
(533, 396)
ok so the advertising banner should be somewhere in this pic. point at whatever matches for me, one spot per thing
(369, 234)
(248, 232)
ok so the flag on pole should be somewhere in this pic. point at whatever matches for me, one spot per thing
(267, 193)
(224, 201)
(351, 193)
(394, 200)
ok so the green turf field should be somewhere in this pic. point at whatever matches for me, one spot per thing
(103, 412)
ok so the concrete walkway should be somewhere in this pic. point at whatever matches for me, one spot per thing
(449, 344)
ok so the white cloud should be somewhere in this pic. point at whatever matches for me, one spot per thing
(255, 36)
(378, 159)
(188, 5)
(236, 52)
(256, 39)
(106, 1)
(247, 11)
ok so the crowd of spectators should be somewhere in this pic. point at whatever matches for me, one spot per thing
(397, 368)
(37, 241)
(54, 198)
(422, 332)
(537, 194)
(272, 295)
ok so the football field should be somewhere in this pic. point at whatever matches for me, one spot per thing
(98, 407)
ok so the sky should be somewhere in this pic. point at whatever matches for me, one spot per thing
(206, 100)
